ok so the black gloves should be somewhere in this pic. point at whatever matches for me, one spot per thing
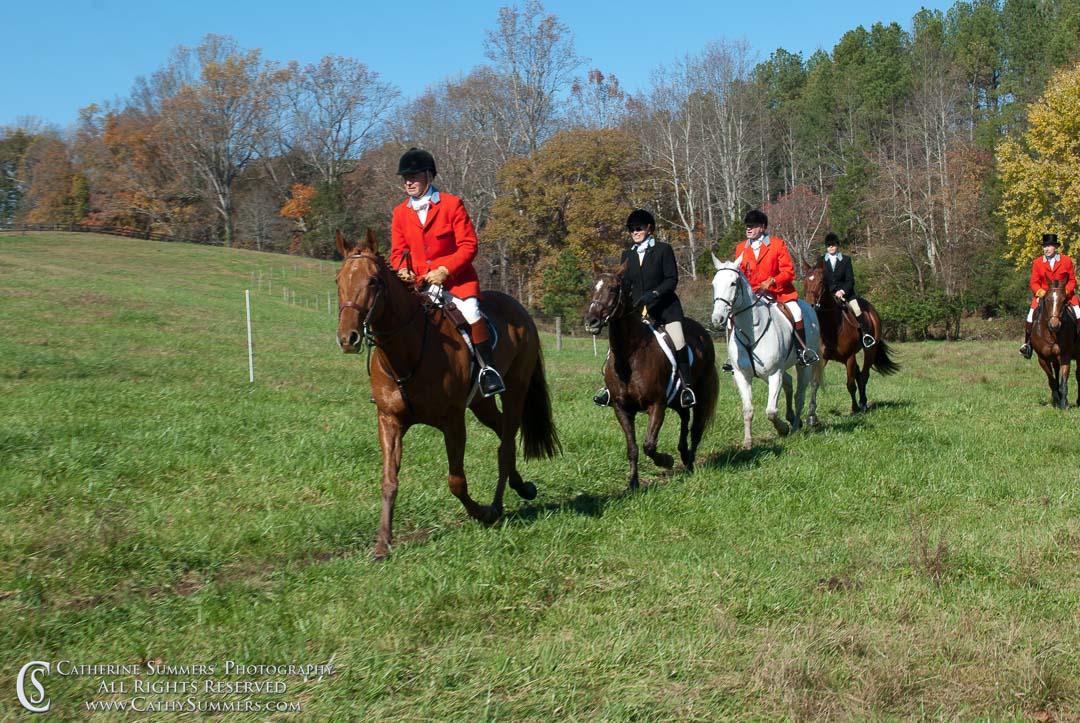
(647, 299)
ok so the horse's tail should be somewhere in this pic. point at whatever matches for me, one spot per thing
(538, 434)
(883, 363)
(712, 391)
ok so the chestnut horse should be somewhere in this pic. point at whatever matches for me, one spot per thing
(1054, 339)
(637, 373)
(842, 339)
(420, 374)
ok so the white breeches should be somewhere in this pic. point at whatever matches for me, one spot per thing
(1031, 314)
(854, 306)
(795, 309)
(470, 307)
(675, 331)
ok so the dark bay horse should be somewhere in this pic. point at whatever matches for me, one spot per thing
(420, 374)
(1054, 339)
(637, 373)
(842, 339)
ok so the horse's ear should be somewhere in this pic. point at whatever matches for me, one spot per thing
(622, 268)
(715, 261)
(344, 247)
(370, 243)
(596, 268)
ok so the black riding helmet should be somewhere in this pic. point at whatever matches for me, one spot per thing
(832, 239)
(1050, 239)
(415, 160)
(755, 217)
(640, 217)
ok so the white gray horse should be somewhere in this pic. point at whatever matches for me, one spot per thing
(761, 343)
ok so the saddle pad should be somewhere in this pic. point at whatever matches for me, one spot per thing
(673, 385)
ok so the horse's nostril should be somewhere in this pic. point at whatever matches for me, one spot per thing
(354, 338)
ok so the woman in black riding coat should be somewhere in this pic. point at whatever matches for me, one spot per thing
(839, 281)
(649, 282)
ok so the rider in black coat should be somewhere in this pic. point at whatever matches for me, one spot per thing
(840, 282)
(649, 282)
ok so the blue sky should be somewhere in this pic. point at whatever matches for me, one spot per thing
(61, 55)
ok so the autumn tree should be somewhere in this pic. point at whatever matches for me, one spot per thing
(572, 194)
(13, 145)
(1040, 172)
(213, 106)
(597, 102)
(534, 52)
(332, 113)
(56, 192)
(799, 217)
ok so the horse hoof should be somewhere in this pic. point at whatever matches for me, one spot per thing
(381, 554)
(665, 461)
(747, 446)
(525, 490)
(812, 420)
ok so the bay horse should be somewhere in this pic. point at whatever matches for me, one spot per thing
(420, 374)
(637, 373)
(1055, 340)
(842, 339)
(761, 344)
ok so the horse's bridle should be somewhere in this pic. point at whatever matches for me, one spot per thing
(368, 333)
(372, 337)
(614, 307)
(731, 305)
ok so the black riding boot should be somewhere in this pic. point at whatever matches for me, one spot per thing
(867, 338)
(490, 381)
(806, 355)
(1025, 350)
(686, 396)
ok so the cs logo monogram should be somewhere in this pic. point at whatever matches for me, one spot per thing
(36, 703)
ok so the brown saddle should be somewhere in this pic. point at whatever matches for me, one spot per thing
(791, 319)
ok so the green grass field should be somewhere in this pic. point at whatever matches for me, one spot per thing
(922, 560)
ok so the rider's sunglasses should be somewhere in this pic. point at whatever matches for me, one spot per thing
(636, 229)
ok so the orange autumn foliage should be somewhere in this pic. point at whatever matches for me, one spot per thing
(299, 205)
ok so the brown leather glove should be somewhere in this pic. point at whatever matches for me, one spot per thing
(1040, 293)
(764, 285)
(406, 275)
(437, 276)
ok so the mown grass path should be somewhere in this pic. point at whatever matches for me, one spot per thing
(920, 560)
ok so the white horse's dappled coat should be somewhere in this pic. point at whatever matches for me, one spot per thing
(761, 343)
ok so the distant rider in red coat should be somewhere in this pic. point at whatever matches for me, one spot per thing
(433, 243)
(1051, 266)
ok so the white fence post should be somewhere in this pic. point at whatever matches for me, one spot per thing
(251, 356)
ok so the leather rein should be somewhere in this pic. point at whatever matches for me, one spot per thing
(371, 336)
(757, 299)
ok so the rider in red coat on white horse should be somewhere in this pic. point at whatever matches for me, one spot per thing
(1051, 266)
(766, 263)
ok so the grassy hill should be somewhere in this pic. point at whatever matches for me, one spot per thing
(158, 509)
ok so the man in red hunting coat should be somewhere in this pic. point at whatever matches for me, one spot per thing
(433, 243)
(1051, 266)
(766, 262)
